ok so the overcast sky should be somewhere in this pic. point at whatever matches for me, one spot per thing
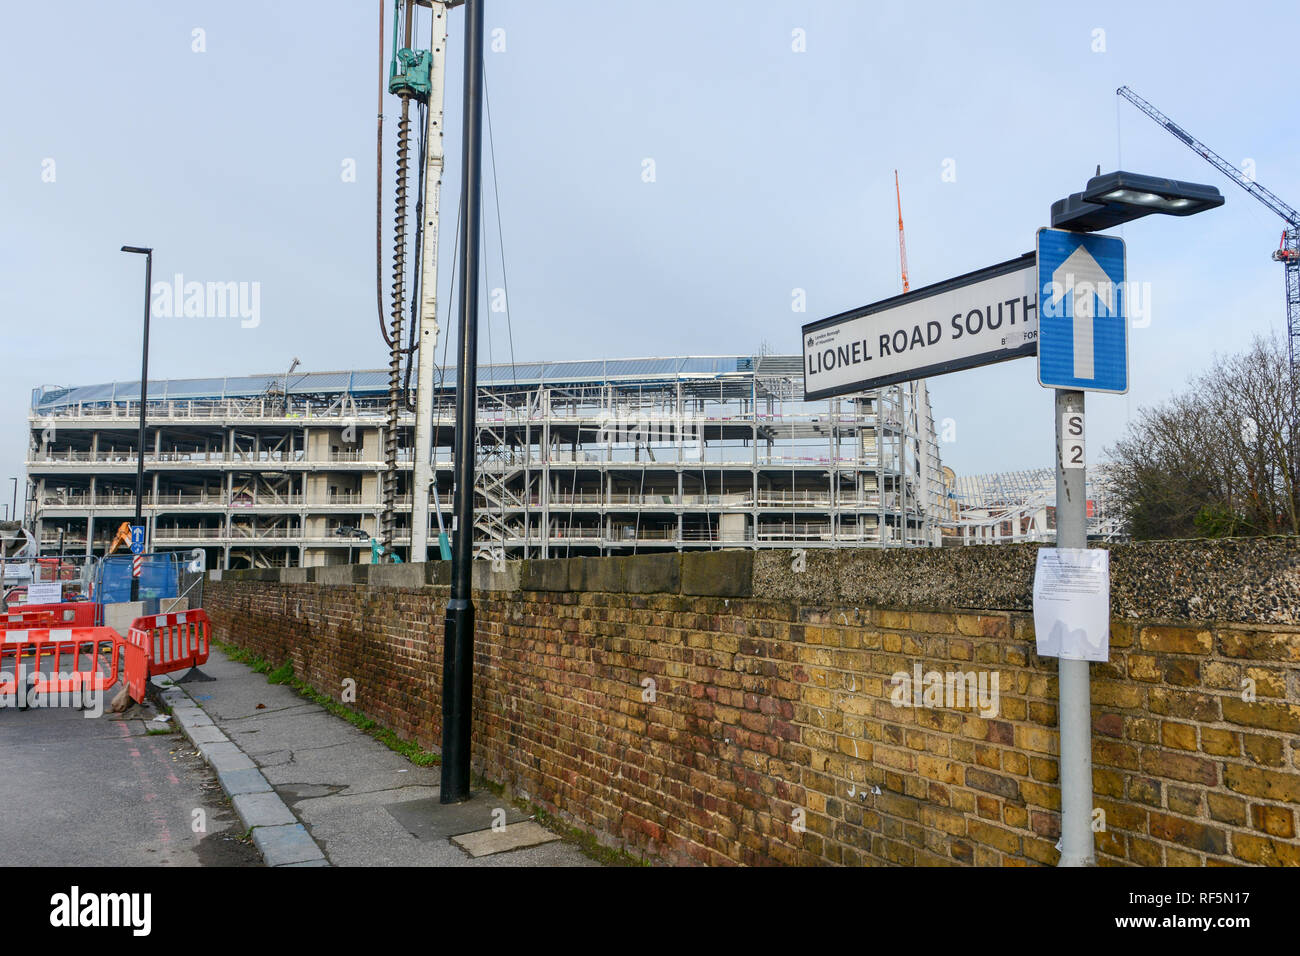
(220, 133)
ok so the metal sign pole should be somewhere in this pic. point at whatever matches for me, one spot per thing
(144, 400)
(1075, 693)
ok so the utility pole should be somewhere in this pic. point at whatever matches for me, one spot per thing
(144, 399)
(422, 478)
(1073, 677)
(458, 637)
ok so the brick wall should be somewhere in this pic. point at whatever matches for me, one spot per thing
(722, 708)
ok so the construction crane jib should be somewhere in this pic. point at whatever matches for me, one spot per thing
(1288, 251)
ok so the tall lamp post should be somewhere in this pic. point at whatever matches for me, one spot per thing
(458, 634)
(144, 398)
(1108, 201)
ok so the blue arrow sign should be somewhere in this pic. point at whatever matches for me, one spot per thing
(1082, 314)
(137, 539)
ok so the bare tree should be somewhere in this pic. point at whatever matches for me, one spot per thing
(1217, 460)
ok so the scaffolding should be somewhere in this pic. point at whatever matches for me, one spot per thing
(1016, 506)
(594, 457)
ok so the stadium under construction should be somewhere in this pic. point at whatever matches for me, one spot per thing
(575, 458)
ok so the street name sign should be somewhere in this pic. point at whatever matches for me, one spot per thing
(983, 317)
(1083, 326)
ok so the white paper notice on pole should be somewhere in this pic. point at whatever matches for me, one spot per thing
(1072, 603)
(45, 592)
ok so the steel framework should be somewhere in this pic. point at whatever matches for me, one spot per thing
(598, 457)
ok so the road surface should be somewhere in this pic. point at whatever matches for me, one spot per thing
(105, 791)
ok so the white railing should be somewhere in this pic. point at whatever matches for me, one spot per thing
(185, 534)
(166, 501)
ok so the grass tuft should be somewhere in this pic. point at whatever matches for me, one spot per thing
(284, 675)
(586, 842)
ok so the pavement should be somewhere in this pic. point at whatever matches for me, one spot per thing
(110, 790)
(316, 791)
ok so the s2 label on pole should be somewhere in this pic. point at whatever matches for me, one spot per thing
(1072, 440)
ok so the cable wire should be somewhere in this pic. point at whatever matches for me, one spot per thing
(496, 194)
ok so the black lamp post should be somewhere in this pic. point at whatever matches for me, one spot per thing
(458, 634)
(144, 398)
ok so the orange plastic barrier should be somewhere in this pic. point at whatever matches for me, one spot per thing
(172, 642)
(135, 670)
(25, 618)
(67, 614)
(53, 657)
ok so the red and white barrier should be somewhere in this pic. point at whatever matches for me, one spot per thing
(172, 642)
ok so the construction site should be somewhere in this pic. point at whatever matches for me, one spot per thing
(614, 456)
(657, 592)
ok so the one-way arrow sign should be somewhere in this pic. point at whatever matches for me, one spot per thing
(1083, 329)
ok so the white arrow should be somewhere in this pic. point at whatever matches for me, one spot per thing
(1081, 275)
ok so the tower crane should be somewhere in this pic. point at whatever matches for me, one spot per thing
(1287, 252)
(919, 393)
(902, 243)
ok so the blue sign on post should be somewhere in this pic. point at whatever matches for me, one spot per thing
(1082, 312)
(137, 539)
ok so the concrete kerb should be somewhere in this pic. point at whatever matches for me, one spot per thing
(282, 840)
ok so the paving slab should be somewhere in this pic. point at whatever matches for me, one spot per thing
(206, 734)
(317, 791)
(236, 782)
(291, 731)
(512, 836)
(286, 844)
(428, 819)
(264, 809)
(225, 756)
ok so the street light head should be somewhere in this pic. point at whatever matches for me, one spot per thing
(1120, 197)
(138, 249)
(1168, 196)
